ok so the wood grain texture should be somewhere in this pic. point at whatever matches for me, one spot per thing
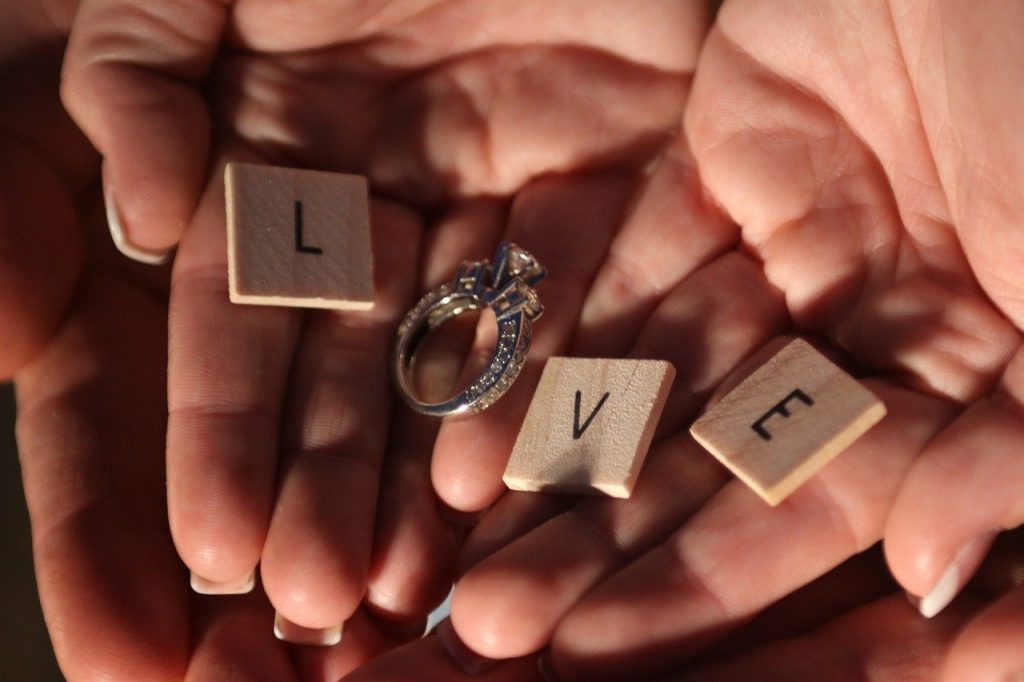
(787, 420)
(298, 238)
(589, 426)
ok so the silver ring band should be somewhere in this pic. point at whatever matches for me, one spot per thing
(507, 289)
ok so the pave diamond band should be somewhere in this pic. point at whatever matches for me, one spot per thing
(506, 287)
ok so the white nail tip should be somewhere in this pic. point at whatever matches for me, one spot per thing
(201, 585)
(121, 242)
(944, 591)
(288, 631)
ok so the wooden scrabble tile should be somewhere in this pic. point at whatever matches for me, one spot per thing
(787, 420)
(298, 238)
(589, 426)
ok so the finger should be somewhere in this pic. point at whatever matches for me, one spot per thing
(414, 550)
(315, 561)
(881, 641)
(514, 515)
(91, 417)
(227, 372)
(566, 223)
(935, 540)
(427, 659)
(737, 555)
(411, 571)
(727, 303)
(989, 648)
(132, 81)
(668, 233)
(858, 581)
(511, 603)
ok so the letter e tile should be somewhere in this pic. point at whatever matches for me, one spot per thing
(298, 238)
(589, 426)
(787, 420)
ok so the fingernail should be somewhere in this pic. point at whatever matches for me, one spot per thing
(952, 579)
(468, 660)
(288, 631)
(546, 668)
(203, 586)
(117, 233)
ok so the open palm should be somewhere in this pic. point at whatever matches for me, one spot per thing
(867, 154)
(278, 426)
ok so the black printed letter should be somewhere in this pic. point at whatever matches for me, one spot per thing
(299, 246)
(779, 408)
(577, 430)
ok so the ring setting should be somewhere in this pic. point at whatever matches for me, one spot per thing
(506, 287)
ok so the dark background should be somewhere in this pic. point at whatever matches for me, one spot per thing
(25, 652)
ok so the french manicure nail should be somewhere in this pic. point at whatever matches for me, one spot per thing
(546, 668)
(942, 593)
(288, 631)
(117, 233)
(244, 585)
(952, 579)
(468, 660)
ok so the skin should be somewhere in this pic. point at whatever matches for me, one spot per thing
(790, 130)
(846, 625)
(862, 151)
(545, 168)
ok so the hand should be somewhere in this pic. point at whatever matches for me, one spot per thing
(886, 638)
(84, 334)
(450, 108)
(846, 625)
(859, 152)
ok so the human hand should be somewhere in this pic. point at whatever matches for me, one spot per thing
(84, 335)
(450, 108)
(851, 624)
(858, 150)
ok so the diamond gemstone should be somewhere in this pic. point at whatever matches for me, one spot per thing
(523, 265)
(517, 263)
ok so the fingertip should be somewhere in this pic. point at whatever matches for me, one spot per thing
(465, 657)
(132, 80)
(471, 453)
(914, 557)
(216, 566)
(460, 487)
(489, 618)
(154, 138)
(118, 234)
(317, 589)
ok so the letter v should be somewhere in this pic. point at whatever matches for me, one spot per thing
(577, 430)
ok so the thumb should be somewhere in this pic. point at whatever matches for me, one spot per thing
(132, 81)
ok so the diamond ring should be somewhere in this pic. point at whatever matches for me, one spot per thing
(506, 287)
